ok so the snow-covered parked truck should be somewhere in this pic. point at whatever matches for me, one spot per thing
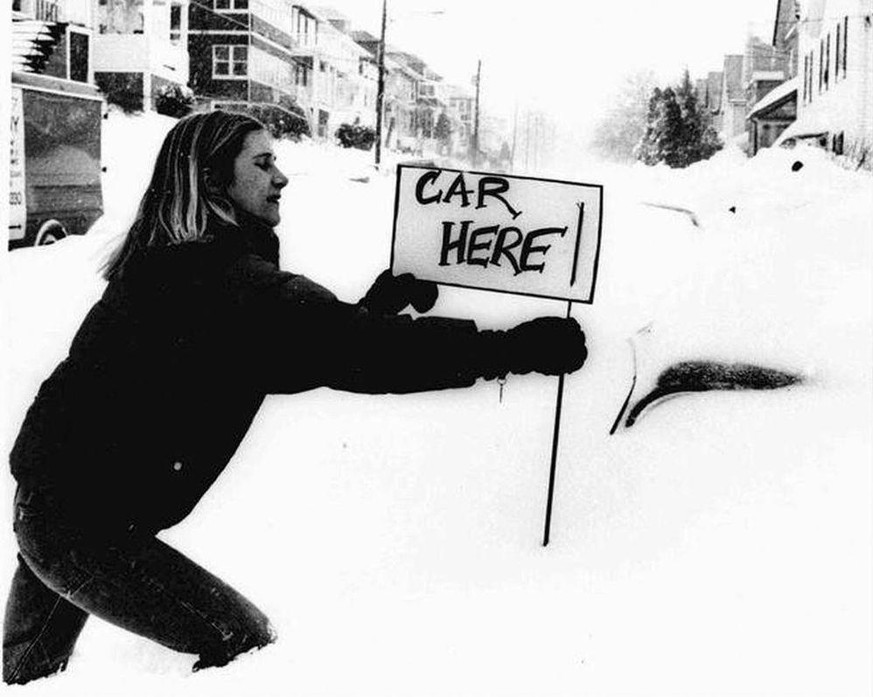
(54, 166)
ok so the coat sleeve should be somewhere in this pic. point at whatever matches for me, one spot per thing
(297, 335)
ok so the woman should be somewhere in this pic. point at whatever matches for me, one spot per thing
(196, 326)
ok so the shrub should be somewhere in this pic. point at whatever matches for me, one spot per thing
(174, 100)
(124, 90)
(282, 121)
(356, 136)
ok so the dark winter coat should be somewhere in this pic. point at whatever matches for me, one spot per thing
(170, 366)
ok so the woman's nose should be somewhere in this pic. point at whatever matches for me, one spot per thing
(280, 180)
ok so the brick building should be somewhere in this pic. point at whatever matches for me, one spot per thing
(250, 53)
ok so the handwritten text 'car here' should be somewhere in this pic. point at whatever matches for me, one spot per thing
(499, 232)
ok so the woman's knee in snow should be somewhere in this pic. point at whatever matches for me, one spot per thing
(255, 634)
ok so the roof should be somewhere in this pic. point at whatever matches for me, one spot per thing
(328, 12)
(775, 97)
(398, 66)
(363, 35)
(414, 62)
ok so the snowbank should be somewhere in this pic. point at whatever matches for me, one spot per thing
(720, 547)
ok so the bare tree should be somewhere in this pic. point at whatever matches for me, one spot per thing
(623, 125)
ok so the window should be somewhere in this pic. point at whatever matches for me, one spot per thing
(270, 70)
(231, 5)
(175, 23)
(78, 56)
(301, 74)
(811, 73)
(827, 69)
(805, 74)
(229, 62)
(120, 17)
(845, 42)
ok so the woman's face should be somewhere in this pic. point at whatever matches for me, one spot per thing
(257, 182)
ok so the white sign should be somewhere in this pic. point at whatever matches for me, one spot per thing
(17, 201)
(498, 232)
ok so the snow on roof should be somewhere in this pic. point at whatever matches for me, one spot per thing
(775, 95)
(804, 125)
(32, 42)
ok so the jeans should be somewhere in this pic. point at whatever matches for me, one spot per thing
(128, 577)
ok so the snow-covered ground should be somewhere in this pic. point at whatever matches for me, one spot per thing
(721, 546)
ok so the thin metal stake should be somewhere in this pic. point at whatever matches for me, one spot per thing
(555, 435)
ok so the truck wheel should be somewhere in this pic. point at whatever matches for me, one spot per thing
(50, 232)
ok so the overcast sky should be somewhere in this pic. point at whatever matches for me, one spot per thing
(565, 57)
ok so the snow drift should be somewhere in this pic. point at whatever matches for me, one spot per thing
(721, 546)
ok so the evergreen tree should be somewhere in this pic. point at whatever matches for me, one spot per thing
(678, 132)
(443, 130)
(646, 148)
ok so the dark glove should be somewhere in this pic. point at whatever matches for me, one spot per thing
(391, 294)
(547, 345)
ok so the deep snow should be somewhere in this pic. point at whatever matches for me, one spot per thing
(722, 546)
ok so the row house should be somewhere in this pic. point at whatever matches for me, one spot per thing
(430, 100)
(247, 53)
(460, 110)
(770, 94)
(399, 112)
(764, 68)
(745, 80)
(709, 93)
(785, 34)
(826, 53)
(756, 100)
(415, 97)
(733, 101)
(128, 48)
(344, 77)
(773, 112)
(53, 37)
(400, 96)
(835, 95)
(139, 47)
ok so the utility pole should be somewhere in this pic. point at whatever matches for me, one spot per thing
(476, 116)
(380, 88)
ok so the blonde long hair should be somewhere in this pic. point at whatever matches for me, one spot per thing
(188, 188)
